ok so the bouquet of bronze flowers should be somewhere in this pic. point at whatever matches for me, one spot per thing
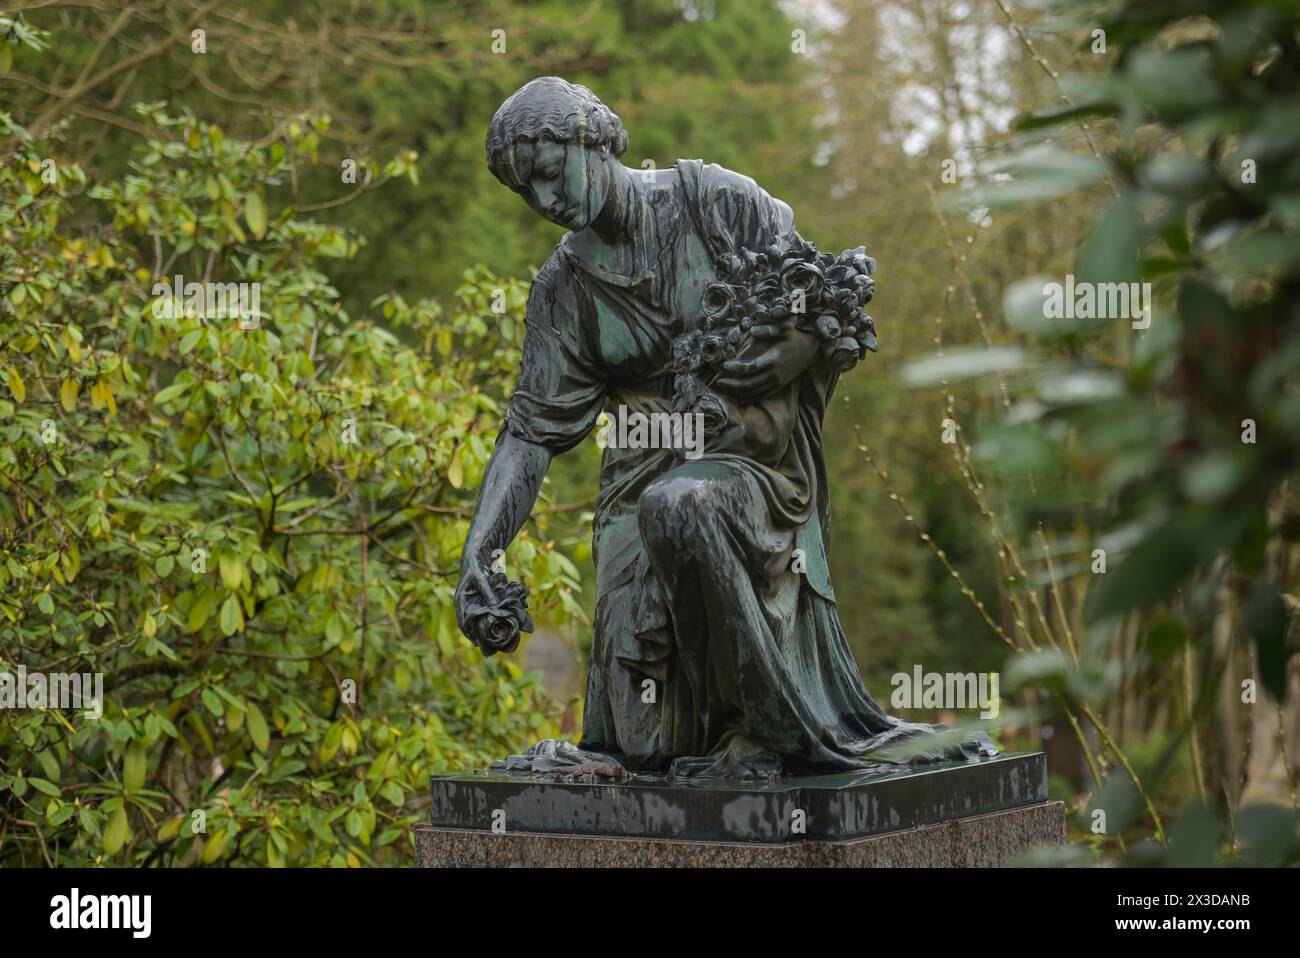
(761, 295)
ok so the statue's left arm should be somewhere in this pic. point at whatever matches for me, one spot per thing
(736, 213)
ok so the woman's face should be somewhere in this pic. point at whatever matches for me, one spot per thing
(564, 182)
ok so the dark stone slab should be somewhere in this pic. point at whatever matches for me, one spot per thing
(984, 841)
(792, 810)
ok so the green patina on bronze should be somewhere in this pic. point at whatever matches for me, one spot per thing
(718, 651)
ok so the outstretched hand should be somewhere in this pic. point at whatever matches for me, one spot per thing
(490, 610)
(474, 592)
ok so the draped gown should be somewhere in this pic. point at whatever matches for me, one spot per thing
(717, 648)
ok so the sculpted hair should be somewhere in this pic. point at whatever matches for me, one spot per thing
(549, 108)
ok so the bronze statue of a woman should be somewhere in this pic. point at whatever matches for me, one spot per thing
(717, 651)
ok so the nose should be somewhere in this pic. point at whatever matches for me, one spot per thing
(549, 201)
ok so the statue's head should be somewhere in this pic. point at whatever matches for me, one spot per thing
(555, 144)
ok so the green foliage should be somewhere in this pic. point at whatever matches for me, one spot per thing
(1170, 447)
(249, 524)
(1204, 209)
(716, 80)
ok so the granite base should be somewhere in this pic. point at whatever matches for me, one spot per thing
(984, 841)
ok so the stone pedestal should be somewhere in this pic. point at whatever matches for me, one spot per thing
(978, 813)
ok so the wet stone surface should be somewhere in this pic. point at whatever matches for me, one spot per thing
(824, 808)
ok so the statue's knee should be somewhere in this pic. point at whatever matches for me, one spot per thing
(654, 514)
(674, 511)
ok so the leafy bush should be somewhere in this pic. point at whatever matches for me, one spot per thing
(250, 532)
(1166, 443)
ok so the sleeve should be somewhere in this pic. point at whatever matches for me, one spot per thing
(561, 389)
(735, 212)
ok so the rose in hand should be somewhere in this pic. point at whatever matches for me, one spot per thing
(497, 628)
(492, 611)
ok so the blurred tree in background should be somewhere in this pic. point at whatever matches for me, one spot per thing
(1145, 460)
(718, 79)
